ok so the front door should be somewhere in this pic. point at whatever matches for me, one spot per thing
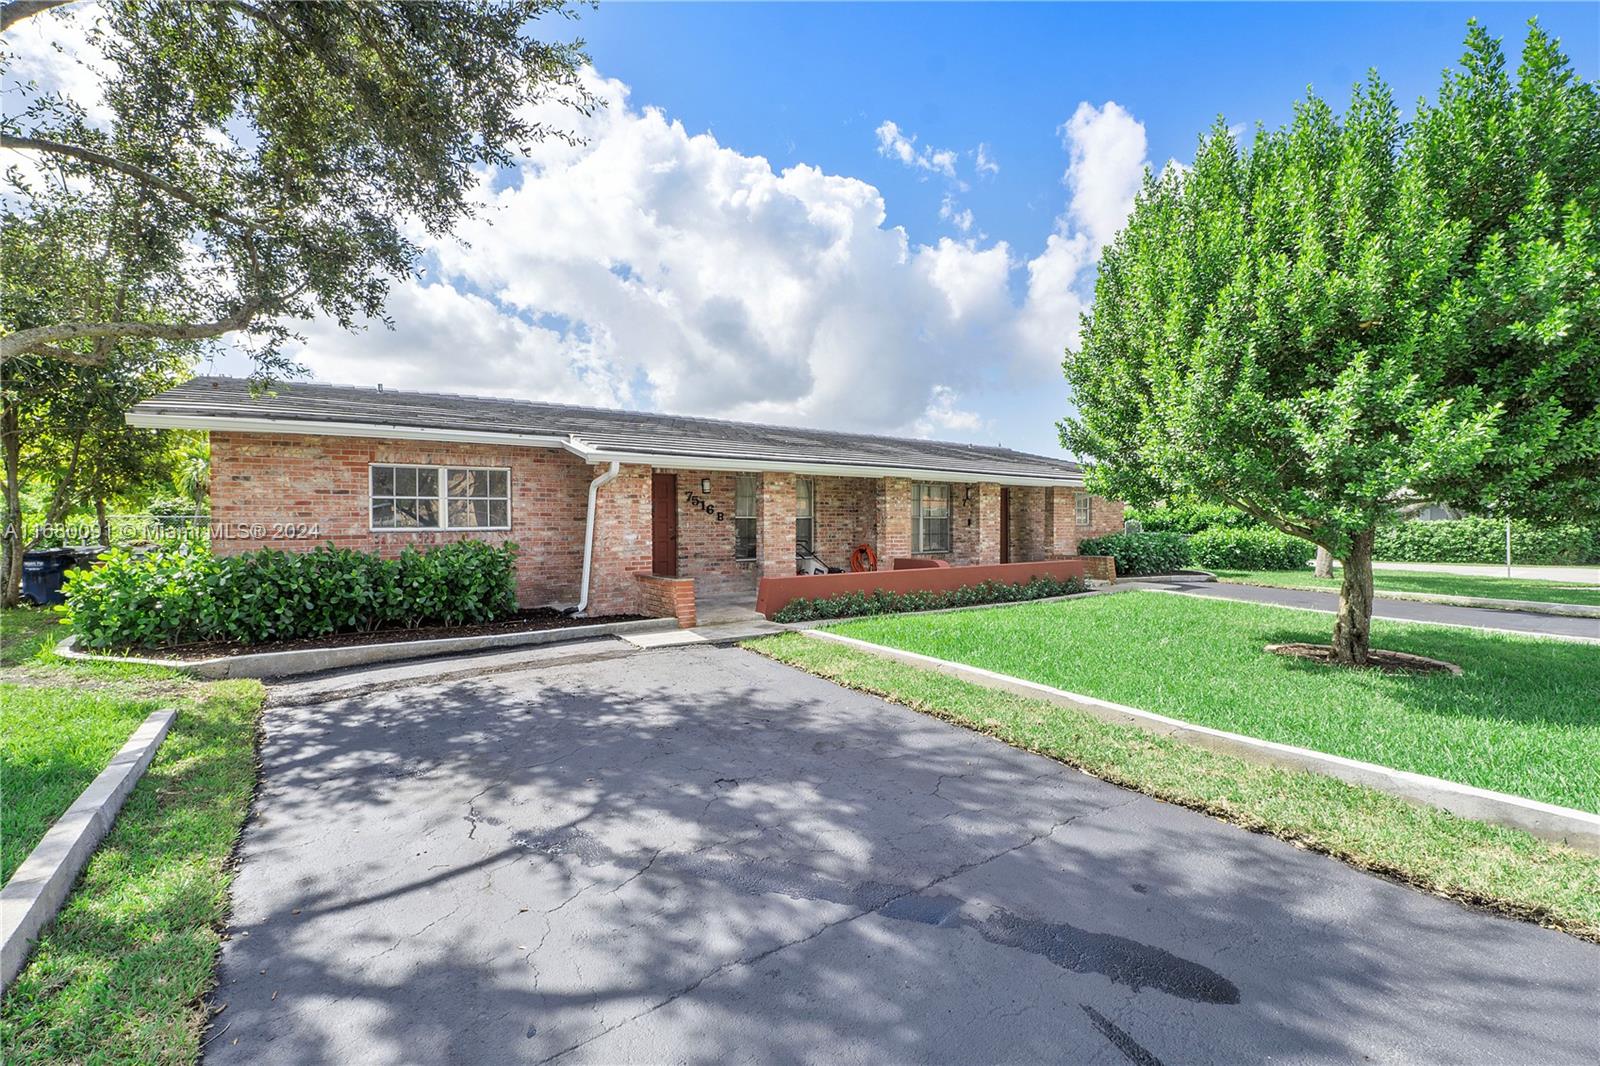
(664, 525)
(1005, 524)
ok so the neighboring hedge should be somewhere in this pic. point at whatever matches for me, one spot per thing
(187, 595)
(1138, 554)
(1483, 540)
(1189, 517)
(1249, 549)
(856, 604)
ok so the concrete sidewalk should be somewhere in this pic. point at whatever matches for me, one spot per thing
(1548, 625)
(1577, 575)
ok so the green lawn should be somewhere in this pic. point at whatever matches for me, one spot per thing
(1493, 588)
(1486, 865)
(53, 742)
(120, 975)
(1523, 718)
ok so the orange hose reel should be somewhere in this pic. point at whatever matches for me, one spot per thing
(863, 559)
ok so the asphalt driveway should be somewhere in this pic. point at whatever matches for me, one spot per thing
(698, 855)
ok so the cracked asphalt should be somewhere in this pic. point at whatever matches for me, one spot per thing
(700, 855)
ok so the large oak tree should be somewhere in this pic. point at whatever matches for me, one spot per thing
(1354, 309)
(247, 164)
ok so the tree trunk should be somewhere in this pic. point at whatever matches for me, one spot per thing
(1324, 564)
(1352, 627)
(11, 556)
(102, 520)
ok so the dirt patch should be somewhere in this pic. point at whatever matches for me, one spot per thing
(1390, 662)
(529, 621)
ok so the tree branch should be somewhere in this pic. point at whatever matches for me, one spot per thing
(1294, 529)
(137, 173)
(40, 339)
(17, 10)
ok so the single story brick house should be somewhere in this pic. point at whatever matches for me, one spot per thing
(615, 512)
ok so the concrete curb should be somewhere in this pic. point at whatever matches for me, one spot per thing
(1564, 610)
(1577, 829)
(317, 660)
(42, 883)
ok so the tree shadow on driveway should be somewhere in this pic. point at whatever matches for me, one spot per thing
(703, 855)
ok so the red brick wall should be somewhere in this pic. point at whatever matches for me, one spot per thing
(1105, 515)
(268, 480)
(974, 524)
(846, 515)
(622, 542)
(1032, 522)
(892, 519)
(775, 525)
(260, 479)
(667, 597)
(705, 545)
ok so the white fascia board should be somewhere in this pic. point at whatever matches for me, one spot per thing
(756, 466)
(150, 420)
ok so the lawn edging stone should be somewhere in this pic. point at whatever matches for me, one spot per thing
(38, 888)
(1577, 829)
(317, 660)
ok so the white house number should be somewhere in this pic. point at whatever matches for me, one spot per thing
(700, 503)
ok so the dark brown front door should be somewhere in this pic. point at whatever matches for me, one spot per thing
(664, 524)
(1005, 524)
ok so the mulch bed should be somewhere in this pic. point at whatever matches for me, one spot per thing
(528, 621)
(1390, 662)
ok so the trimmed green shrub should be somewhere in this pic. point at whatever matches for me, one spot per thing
(1483, 540)
(857, 604)
(1138, 554)
(186, 595)
(1249, 549)
(1189, 517)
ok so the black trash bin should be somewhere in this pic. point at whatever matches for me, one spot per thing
(43, 571)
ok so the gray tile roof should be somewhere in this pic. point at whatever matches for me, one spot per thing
(601, 434)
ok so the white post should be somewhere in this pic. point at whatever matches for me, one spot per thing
(1508, 547)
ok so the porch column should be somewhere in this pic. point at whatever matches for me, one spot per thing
(893, 533)
(775, 526)
(1063, 537)
(983, 535)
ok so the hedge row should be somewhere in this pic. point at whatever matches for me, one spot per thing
(1142, 554)
(1249, 549)
(187, 595)
(857, 604)
(1139, 554)
(1189, 517)
(1483, 540)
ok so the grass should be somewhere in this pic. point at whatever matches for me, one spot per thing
(1524, 717)
(1505, 869)
(1430, 584)
(53, 742)
(120, 975)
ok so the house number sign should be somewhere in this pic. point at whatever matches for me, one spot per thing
(700, 503)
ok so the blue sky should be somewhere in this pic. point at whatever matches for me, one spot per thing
(808, 83)
(873, 217)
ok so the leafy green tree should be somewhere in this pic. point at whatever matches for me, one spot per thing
(1351, 308)
(272, 157)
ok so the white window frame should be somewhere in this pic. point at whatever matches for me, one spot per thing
(1083, 509)
(810, 542)
(753, 517)
(442, 474)
(919, 541)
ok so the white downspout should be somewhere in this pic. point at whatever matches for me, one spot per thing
(588, 535)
